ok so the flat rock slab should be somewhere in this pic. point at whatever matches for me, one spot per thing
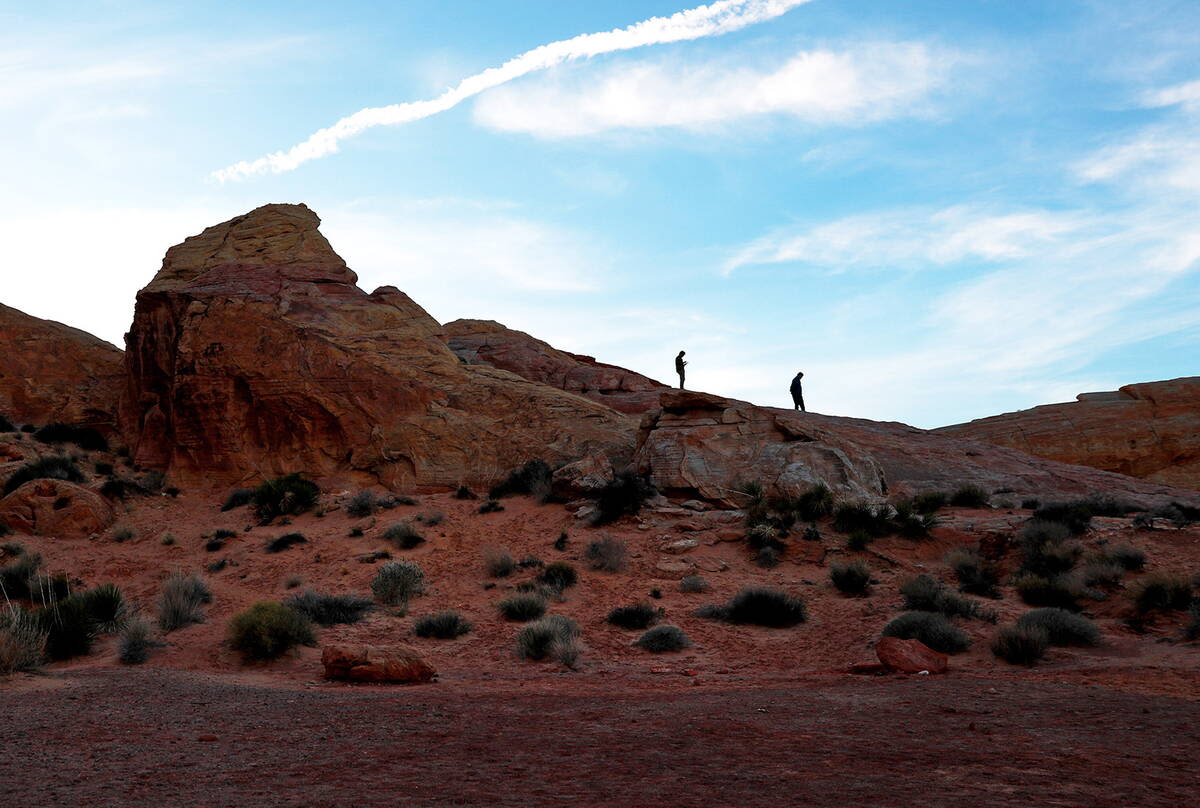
(366, 663)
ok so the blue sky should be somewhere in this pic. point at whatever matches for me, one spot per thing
(937, 210)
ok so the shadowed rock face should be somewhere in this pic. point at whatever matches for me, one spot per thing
(52, 372)
(490, 343)
(1150, 430)
(253, 353)
(704, 445)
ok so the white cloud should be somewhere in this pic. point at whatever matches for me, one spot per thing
(858, 85)
(714, 19)
(912, 238)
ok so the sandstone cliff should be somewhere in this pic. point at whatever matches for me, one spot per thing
(704, 445)
(253, 352)
(1149, 430)
(490, 343)
(52, 372)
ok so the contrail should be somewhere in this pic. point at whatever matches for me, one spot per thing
(703, 21)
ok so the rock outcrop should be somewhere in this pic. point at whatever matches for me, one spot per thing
(703, 445)
(253, 353)
(55, 508)
(909, 656)
(1151, 431)
(52, 372)
(366, 663)
(490, 343)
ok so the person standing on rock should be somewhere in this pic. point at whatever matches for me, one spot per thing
(798, 392)
(679, 366)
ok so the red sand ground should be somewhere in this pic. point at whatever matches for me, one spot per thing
(749, 715)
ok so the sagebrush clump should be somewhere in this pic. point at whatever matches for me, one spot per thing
(498, 562)
(553, 636)
(1061, 626)
(850, 578)
(606, 554)
(522, 607)
(329, 610)
(44, 468)
(404, 535)
(621, 496)
(445, 625)
(975, 575)
(180, 603)
(663, 639)
(760, 606)
(925, 593)
(931, 628)
(289, 495)
(636, 616)
(397, 582)
(1020, 645)
(267, 630)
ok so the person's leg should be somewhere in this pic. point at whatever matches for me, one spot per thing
(802, 404)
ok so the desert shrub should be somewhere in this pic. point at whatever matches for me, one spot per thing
(975, 575)
(522, 607)
(68, 627)
(763, 535)
(1104, 505)
(1038, 590)
(931, 628)
(623, 495)
(16, 577)
(815, 503)
(55, 467)
(268, 629)
(107, 607)
(464, 492)
(1101, 572)
(364, 503)
(1020, 645)
(768, 557)
(1165, 592)
(85, 437)
(180, 601)
(969, 496)
(167, 540)
(1192, 631)
(28, 428)
(930, 501)
(45, 589)
(531, 479)
(404, 535)
(103, 469)
(431, 518)
(6, 425)
(761, 606)
(860, 517)
(607, 554)
(1074, 515)
(910, 524)
(1031, 504)
(237, 498)
(1129, 557)
(560, 543)
(531, 562)
(118, 488)
(693, 584)
(137, 640)
(1177, 513)
(498, 562)
(289, 495)
(637, 616)
(392, 502)
(442, 626)
(329, 610)
(278, 545)
(491, 506)
(858, 541)
(850, 578)
(811, 533)
(926, 594)
(1061, 626)
(538, 640)
(217, 566)
(22, 641)
(397, 582)
(12, 549)
(662, 639)
(122, 534)
(558, 575)
(152, 482)
(1047, 548)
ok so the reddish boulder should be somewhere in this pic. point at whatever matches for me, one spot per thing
(909, 656)
(1151, 431)
(490, 343)
(704, 445)
(55, 508)
(52, 372)
(365, 663)
(254, 353)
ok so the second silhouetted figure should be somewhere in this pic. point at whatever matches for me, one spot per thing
(679, 366)
(798, 392)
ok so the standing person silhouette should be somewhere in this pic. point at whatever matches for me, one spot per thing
(798, 392)
(679, 366)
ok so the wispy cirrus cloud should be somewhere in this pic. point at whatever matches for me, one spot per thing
(854, 85)
(713, 19)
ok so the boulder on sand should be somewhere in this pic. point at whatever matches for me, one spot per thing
(909, 656)
(367, 663)
(55, 508)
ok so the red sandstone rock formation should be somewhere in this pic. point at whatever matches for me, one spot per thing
(366, 663)
(489, 342)
(52, 372)
(909, 656)
(1151, 431)
(55, 508)
(253, 353)
(703, 445)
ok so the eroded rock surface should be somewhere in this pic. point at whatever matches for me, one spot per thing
(367, 663)
(55, 508)
(490, 343)
(909, 656)
(253, 352)
(704, 445)
(52, 372)
(1150, 430)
